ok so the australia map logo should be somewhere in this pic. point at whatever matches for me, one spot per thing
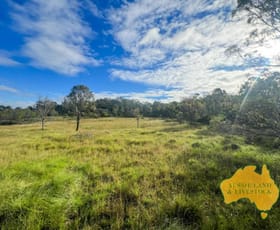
(260, 189)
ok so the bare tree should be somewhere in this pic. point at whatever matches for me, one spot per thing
(44, 106)
(136, 113)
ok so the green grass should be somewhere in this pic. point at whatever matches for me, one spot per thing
(111, 175)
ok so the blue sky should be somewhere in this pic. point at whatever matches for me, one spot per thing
(143, 49)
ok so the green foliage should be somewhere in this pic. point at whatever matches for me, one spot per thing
(79, 100)
(261, 109)
(9, 116)
(193, 109)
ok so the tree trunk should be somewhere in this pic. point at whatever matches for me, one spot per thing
(138, 118)
(78, 121)
(43, 123)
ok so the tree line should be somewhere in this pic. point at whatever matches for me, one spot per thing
(256, 109)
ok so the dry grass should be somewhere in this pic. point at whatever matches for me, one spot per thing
(111, 175)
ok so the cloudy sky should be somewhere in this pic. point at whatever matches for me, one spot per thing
(144, 49)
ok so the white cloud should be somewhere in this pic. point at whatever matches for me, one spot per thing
(8, 89)
(88, 4)
(17, 103)
(151, 37)
(147, 96)
(6, 60)
(181, 45)
(55, 35)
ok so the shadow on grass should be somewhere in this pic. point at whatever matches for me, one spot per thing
(176, 128)
(251, 137)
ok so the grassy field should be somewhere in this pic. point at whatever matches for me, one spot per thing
(111, 175)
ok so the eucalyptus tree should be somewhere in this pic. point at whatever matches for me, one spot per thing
(80, 100)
